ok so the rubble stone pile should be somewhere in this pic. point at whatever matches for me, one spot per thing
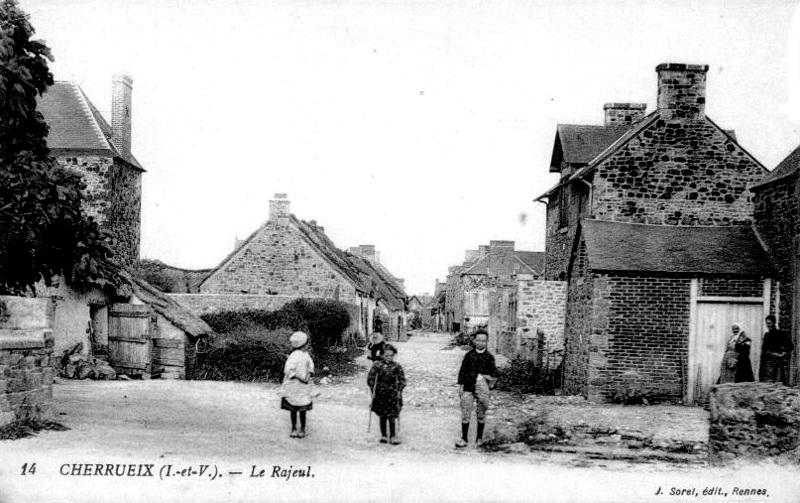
(754, 420)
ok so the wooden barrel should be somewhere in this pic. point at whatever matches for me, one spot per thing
(129, 338)
(169, 358)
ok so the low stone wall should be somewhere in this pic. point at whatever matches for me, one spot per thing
(26, 349)
(541, 307)
(754, 420)
(201, 303)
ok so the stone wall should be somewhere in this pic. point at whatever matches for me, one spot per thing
(754, 420)
(94, 169)
(278, 260)
(578, 328)
(124, 213)
(202, 303)
(112, 197)
(776, 218)
(541, 308)
(558, 239)
(26, 349)
(677, 173)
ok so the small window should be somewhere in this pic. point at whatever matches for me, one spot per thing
(563, 207)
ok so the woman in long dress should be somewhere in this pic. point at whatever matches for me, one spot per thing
(736, 366)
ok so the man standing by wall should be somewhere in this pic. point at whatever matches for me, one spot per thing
(776, 352)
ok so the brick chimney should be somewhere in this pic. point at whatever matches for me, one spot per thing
(623, 114)
(501, 258)
(279, 209)
(682, 90)
(121, 88)
(483, 250)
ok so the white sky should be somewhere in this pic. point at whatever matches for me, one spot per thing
(424, 128)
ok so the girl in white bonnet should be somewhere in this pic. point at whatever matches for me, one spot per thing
(296, 388)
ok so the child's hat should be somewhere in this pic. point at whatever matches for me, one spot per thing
(298, 340)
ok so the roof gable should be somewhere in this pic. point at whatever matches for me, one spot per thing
(579, 144)
(787, 168)
(617, 246)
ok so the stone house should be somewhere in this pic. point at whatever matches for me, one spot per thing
(288, 258)
(650, 226)
(777, 218)
(81, 140)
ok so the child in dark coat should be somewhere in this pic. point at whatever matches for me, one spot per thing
(387, 379)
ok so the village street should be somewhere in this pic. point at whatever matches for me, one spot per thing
(236, 427)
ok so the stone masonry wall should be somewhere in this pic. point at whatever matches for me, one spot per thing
(113, 198)
(95, 170)
(647, 333)
(279, 261)
(558, 240)
(776, 218)
(541, 307)
(124, 213)
(26, 348)
(677, 172)
(754, 420)
(577, 328)
(199, 303)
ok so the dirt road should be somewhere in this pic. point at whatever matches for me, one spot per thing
(168, 426)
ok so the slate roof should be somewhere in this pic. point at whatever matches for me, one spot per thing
(618, 246)
(533, 261)
(579, 144)
(76, 124)
(785, 169)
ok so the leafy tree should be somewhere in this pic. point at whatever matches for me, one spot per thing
(43, 231)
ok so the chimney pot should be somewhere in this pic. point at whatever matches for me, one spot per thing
(623, 114)
(121, 90)
(681, 90)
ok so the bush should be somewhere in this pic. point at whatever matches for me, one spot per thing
(323, 320)
(252, 344)
(248, 353)
(523, 376)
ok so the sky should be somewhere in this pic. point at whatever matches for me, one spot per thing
(424, 128)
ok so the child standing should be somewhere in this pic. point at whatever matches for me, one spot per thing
(296, 387)
(387, 379)
(476, 377)
(376, 347)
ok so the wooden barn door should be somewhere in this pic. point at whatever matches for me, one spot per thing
(129, 338)
(710, 336)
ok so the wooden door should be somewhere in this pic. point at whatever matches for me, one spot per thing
(129, 338)
(712, 330)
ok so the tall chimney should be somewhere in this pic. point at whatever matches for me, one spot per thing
(623, 114)
(681, 90)
(483, 250)
(121, 88)
(279, 209)
(501, 259)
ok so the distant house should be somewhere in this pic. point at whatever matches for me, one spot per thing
(288, 258)
(777, 218)
(650, 226)
(81, 140)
